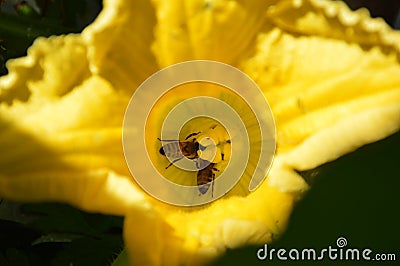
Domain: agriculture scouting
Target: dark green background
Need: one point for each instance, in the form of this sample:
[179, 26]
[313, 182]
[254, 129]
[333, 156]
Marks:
[356, 197]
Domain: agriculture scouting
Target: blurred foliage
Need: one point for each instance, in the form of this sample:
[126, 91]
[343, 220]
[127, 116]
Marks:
[58, 234]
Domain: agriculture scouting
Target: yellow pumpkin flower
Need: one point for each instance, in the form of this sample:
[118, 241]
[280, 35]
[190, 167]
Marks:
[330, 75]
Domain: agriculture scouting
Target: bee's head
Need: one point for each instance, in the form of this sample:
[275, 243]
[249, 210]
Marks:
[162, 151]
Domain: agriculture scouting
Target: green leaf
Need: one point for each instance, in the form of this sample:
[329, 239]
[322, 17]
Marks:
[13, 257]
[122, 259]
[89, 251]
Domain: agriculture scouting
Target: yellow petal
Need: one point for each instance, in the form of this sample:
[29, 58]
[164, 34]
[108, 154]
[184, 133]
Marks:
[333, 20]
[150, 240]
[53, 67]
[345, 136]
[100, 191]
[216, 30]
[172, 235]
[315, 82]
[119, 43]
[66, 148]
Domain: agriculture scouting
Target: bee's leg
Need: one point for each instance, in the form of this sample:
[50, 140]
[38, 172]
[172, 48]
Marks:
[201, 164]
[212, 186]
[174, 161]
[192, 134]
[213, 179]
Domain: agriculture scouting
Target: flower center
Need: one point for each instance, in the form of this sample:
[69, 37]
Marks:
[197, 131]
[202, 142]
[213, 141]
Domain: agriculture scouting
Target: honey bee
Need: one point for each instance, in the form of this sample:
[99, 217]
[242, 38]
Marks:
[206, 177]
[177, 149]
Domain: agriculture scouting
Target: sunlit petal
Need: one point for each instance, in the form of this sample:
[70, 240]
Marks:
[119, 43]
